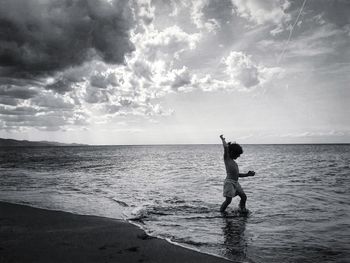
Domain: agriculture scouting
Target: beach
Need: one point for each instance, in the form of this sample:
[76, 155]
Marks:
[30, 234]
[173, 192]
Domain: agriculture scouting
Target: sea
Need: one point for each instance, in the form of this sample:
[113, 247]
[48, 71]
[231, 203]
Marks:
[298, 201]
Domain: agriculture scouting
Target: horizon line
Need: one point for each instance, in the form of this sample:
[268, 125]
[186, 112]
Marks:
[160, 144]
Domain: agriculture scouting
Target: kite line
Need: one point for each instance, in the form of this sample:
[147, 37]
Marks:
[290, 33]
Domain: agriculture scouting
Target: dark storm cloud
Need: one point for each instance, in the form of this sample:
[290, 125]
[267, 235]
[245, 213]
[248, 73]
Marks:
[37, 37]
[17, 92]
[17, 81]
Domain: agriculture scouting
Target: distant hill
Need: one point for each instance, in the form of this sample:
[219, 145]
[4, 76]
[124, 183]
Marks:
[17, 143]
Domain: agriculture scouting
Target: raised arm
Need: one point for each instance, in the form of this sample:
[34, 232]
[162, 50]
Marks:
[223, 141]
[225, 146]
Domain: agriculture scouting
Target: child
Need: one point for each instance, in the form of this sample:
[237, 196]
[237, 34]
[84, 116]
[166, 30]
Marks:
[231, 185]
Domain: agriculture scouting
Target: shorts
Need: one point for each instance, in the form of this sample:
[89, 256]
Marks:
[231, 188]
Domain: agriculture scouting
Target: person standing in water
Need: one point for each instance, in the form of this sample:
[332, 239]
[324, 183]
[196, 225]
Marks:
[231, 185]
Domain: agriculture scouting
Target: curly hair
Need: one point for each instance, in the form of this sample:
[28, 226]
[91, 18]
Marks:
[234, 149]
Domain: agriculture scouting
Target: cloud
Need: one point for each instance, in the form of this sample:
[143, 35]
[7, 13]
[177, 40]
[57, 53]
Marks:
[51, 101]
[260, 12]
[8, 101]
[171, 41]
[49, 53]
[103, 79]
[60, 85]
[49, 122]
[211, 15]
[51, 115]
[46, 110]
[245, 74]
[67, 57]
[150, 73]
[198, 16]
[13, 80]
[18, 92]
[145, 11]
[46, 36]
[147, 75]
[79, 68]
[319, 41]
[178, 80]
[319, 19]
[241, 68]
[21, 110]
[272, 12]
[67, 80]
[93, 95]
[323, 40]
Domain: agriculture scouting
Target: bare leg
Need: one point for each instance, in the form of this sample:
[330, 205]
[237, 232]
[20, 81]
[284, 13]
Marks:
[243, 197]
[225, 204]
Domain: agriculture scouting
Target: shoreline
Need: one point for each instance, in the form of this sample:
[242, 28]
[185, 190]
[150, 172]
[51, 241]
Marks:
[29, 234]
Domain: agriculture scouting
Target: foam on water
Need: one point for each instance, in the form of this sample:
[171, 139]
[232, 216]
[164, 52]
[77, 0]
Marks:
[298, 199]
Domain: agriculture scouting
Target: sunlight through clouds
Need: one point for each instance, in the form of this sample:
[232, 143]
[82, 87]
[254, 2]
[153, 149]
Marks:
[72, 65]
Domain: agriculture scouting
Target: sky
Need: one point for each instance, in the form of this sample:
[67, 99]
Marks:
[168, 72]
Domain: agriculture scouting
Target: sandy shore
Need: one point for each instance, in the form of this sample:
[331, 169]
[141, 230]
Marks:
[36, 235]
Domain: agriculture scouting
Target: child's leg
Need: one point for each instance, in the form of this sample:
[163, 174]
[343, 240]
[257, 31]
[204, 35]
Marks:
[243, 197]
[225, 204]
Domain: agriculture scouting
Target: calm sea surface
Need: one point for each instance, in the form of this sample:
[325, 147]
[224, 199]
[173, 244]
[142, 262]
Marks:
[299, 200]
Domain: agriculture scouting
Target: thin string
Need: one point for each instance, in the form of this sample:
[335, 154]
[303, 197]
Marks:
[291, 32]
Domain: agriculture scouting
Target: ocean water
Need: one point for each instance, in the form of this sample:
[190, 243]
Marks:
[299, 200]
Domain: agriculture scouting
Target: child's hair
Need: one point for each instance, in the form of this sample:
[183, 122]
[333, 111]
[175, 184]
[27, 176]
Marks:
[234, 149]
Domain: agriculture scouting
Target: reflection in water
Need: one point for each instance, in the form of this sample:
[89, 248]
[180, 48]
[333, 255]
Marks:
[234, 238]
[301, 213]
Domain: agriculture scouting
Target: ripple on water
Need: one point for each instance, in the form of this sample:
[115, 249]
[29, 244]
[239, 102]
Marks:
[299, 199]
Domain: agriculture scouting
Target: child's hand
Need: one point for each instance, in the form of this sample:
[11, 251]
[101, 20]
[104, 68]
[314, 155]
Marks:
[251, 173]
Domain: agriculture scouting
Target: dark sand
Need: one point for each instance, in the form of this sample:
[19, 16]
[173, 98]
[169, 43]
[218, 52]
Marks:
[36, 235]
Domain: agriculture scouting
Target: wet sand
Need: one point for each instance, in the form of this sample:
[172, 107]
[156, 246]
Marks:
[37, 235]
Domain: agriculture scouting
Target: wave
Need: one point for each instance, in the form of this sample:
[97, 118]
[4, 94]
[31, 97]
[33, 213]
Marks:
[119, 202]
